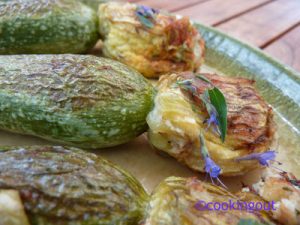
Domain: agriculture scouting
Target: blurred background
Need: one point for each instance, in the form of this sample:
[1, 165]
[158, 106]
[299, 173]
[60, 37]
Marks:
[272, 25]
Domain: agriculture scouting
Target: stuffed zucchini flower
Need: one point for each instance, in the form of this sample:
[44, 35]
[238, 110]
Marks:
[184, 124]
[150, 41]
[284, 189]
[188, 201]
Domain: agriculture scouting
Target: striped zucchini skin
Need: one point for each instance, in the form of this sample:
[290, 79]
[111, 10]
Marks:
[67, 186]
[79, 100]
[46, 26]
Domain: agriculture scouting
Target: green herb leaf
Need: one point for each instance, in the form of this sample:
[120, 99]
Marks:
[199, 76]
[145, 21]
[250, 222]
[218, 100]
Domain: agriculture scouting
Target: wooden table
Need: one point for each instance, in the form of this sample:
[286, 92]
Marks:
[272, 25]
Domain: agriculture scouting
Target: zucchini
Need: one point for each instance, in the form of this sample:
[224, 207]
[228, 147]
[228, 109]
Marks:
[46, 26]
[66, 186]
[79, 100]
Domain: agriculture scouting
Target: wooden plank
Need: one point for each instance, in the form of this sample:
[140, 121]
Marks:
[215, 11]
[170, 5]
[131, 1]
[264, 24]
[287, 48]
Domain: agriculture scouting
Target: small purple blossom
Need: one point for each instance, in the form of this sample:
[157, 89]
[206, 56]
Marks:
[212, 112]
[211, 167]
[262, 158]
[146, 11]
[146, 15]
[212, 120]
[188, 86]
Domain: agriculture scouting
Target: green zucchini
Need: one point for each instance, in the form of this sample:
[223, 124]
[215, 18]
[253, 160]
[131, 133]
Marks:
[79, 100]
[66, 186]
[46, 26]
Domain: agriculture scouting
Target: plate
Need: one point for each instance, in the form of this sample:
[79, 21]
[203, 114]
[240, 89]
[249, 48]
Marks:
[278, 84]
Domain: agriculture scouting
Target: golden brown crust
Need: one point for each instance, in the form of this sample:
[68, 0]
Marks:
[249, 117]
[172, 44]
[189, 201]
[177, 120]
[180, 33]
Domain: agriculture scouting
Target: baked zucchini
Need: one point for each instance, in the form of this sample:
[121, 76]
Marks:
[43, 27]
[66, 186]
[79, 100]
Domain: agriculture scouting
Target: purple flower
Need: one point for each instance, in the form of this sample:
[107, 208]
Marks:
[188, 86]
[146, 15]
[212, 120]
[262, 158]
[146, 11]
[211, 167]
